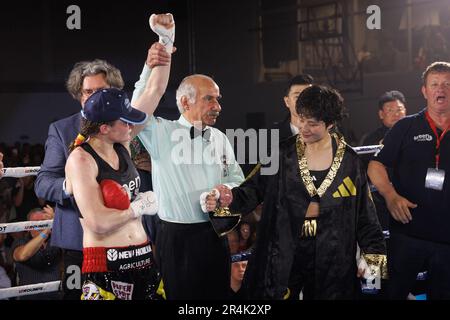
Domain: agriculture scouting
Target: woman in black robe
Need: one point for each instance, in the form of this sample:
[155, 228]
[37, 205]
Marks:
[317, 209]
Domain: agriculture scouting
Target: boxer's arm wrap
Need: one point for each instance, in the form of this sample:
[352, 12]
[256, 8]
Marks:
[145, 203]
[166, 36]
[203, 197]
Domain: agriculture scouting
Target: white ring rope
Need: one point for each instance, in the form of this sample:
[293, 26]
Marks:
[25, 226]
[368, 149]
[20, 172]
[52, 286]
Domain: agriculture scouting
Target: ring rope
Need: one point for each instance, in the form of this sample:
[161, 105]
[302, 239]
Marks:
[25, 226]
[368, 149]
[51, 286]
[20, 172]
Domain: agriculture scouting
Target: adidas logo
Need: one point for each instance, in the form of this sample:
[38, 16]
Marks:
[345, 189]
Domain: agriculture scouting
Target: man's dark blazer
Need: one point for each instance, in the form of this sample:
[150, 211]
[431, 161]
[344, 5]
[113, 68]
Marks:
[66, 232]
[285, 128]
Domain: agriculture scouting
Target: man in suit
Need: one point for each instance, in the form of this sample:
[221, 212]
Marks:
[85, 78]
[289, 126]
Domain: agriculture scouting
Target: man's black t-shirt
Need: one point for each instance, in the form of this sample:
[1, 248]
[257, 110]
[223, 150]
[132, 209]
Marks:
[409, 149]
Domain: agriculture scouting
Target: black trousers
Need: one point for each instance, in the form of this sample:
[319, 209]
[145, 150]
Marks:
[72, 258]
[194, 262]
[407, 256]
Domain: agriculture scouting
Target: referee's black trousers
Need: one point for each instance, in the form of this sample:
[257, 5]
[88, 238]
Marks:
[193, 260]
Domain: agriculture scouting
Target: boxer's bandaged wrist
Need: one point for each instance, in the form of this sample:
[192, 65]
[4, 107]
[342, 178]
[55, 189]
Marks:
[205, 195]
[145, 203]
[167, 41]
[166, 36]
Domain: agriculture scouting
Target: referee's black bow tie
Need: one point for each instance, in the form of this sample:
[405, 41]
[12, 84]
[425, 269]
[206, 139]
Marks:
[206, 133]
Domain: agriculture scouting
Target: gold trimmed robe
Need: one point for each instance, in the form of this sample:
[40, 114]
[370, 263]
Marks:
[347, 216]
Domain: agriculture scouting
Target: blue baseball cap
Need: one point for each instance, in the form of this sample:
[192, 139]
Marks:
[109, 105]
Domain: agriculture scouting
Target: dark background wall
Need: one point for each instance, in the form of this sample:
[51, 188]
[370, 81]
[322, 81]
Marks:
[218, 38]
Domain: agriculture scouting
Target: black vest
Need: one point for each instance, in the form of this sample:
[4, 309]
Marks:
[127, 175]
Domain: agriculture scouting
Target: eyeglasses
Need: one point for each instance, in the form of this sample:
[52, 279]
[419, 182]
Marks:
[396, 110]
[89, 92]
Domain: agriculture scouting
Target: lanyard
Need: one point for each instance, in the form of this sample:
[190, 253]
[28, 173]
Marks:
[438, 138]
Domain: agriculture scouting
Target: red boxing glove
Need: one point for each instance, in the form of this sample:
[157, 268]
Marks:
[114, 195]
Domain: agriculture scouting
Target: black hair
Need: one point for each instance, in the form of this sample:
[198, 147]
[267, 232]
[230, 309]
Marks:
[321, 103]
[390, 96]
[301, 79]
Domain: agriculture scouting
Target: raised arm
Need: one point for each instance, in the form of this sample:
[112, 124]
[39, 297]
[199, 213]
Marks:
[26, 251]
[148, 99]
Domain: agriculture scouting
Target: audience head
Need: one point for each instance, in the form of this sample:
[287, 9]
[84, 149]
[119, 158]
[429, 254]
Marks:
[295, 86]
[391, 107]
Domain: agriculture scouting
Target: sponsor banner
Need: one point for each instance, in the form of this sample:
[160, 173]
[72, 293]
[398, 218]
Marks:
[120, 259]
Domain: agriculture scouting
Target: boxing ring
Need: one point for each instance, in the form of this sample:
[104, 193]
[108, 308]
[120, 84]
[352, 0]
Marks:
[54, 286]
